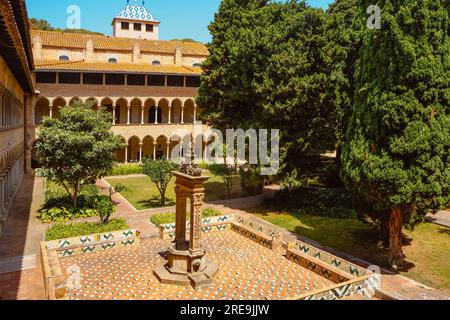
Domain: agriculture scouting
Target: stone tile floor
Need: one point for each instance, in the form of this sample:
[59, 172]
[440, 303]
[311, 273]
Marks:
[248, 271]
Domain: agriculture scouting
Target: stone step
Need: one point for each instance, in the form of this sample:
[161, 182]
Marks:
[14, 264]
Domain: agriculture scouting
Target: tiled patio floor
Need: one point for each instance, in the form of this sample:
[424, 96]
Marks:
[248, 271]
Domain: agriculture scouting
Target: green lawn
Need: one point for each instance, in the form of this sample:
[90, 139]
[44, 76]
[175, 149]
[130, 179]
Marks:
[143, 194]
[427, 256]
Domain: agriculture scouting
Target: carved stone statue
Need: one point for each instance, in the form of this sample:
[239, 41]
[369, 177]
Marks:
[191, 170]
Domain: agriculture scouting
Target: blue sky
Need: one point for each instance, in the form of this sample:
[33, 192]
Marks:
[179, 18]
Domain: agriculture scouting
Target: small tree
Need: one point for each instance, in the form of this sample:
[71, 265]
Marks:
[78, 148]
[160, 172]
[226, 173]
[105, 208]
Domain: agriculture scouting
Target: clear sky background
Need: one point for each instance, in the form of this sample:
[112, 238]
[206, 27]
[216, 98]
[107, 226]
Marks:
[179, 18]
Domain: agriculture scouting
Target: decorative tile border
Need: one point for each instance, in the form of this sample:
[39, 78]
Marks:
[313, 254]
[257, 232]
[210, 224]
[93, 243]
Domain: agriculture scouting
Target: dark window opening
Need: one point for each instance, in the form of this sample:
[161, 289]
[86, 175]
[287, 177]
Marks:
[156, 63]
[193, 82]
[137, 27]
[64, 58]
[112, 60]
[175, 81]
[92, 78]
[157, 81]
[136, 80]
[197, 65]
[115, 79]
[46, 77]
[149, 27]
[125, 25]
[69, 78]
[152, 115]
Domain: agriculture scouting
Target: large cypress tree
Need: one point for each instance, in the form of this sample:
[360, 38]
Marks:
[396, 159]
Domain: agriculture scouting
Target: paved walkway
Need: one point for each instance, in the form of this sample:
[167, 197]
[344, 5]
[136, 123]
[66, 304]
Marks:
[441, 218]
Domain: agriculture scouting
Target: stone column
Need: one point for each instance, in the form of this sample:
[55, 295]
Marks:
[180, 224]
[142, 114]
[129, 115]
[154, 150]
[195, 243]
[195, 114]
[140, 151]
[51, 111]
[114, 115]
[170, 114]
[168, 151]
[182, 114]
[156, 114]
[126, 154]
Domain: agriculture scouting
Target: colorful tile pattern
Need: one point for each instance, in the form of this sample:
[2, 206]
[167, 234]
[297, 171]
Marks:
[247, 271]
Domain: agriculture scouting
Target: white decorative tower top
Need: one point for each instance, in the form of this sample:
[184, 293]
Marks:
[135, 21]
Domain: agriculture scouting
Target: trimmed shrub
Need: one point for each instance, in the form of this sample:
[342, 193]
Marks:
[252, 182]
[335, 203]
[62, 231]
[127, 169]
[166, 218]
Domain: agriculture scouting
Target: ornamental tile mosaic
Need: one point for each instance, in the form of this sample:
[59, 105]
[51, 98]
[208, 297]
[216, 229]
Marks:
[136, 12]
[248, 271]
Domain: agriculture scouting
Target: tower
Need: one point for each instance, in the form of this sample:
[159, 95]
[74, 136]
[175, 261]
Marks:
[135, 21]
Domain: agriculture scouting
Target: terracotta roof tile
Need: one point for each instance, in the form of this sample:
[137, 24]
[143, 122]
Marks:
[114, 67]
[77, 40]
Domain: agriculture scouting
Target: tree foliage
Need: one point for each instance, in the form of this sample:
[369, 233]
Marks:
[78, 148]
[160, 173]
[397, 158]
[226, 173]
[267, 69]
[41, 24]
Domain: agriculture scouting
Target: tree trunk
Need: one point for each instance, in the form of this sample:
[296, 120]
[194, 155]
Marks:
[163, 198]
[75, 199]
[384, 229]
[395, 239]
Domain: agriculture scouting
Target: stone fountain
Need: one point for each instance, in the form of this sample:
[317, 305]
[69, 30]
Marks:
[187, 262]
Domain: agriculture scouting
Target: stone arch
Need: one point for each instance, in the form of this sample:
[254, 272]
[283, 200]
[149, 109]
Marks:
[176, 110]
[147, 147]
[72, 100]
[121, 110]
[189, 106]
[135, 112]
[149, 113]
[120, 154]
[162, 142]
[133, 148]
[42, 109]
[58, 103]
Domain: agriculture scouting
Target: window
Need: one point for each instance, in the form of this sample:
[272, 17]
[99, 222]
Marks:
[137, 27]
[156, 63]
[125, 25]
[157, 81]
[175, 81]
[136, 80]
[64, 58]
[69, 78]
[45, 77]
[93, 78]
[115, 79]
[149, 28]
[197, 65]
[112, 60]
[193, 82]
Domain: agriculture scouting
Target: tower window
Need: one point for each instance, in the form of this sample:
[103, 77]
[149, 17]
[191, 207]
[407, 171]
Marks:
[156, 63]
[149, 27]
[137, 27]
[112, 60]
[125, 25]
[197, 65]
[64, 58]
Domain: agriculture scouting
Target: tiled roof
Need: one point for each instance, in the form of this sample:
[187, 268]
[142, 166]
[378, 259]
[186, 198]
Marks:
[77, 40]
[136, 12]
[83, 66]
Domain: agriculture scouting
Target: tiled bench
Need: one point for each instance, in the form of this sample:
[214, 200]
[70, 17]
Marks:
[257, 232]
